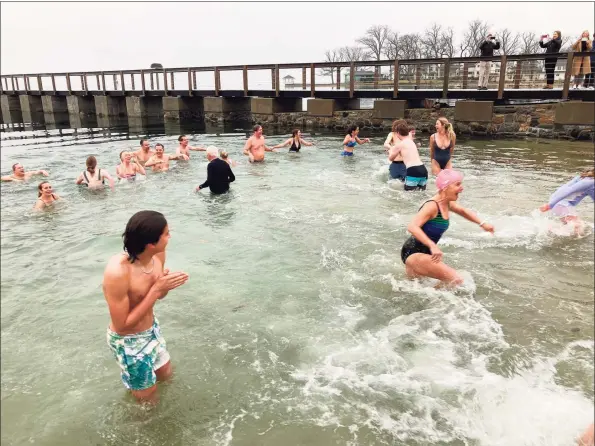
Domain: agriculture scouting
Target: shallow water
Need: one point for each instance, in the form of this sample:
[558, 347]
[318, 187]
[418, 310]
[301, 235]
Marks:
[297, 325]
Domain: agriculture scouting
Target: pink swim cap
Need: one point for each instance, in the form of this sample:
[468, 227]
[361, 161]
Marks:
[446, 177]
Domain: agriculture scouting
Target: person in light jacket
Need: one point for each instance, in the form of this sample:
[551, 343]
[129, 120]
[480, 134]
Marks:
[552, 50]
[590, 78]
[487, 50]
[581, 65]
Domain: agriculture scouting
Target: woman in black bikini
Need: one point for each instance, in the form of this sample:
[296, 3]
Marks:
[296, 142]
[46, 196]
[442, 146]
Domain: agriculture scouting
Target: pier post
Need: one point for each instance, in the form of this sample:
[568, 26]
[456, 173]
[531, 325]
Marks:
[110, 110]
[222, 109]
[55, 111]
[183, 108]
[11, 109]
[31, 109]
[81, 111]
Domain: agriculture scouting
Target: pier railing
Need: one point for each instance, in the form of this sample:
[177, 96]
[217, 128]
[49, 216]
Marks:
[513, 72]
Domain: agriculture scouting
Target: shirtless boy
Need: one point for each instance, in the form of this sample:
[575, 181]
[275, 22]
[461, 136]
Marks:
[416, 175]
[132, 283]
[160, 161]
[184, 148]
[255, 146]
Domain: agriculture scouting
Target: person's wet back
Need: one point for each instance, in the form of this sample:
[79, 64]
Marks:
[219, 174]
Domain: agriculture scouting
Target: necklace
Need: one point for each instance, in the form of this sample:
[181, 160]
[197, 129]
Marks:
[152, 267]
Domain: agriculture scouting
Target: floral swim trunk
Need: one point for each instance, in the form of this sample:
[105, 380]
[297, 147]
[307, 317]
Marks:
[139, 355]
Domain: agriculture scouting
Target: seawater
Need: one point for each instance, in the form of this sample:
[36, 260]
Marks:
[297, 325]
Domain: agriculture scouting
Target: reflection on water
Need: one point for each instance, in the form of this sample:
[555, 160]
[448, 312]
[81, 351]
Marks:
[297, 325]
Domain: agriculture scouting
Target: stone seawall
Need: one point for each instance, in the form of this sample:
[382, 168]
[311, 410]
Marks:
[508, 121]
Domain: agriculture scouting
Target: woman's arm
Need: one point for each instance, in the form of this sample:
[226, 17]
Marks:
[432, 143]
[306, 143]
[452, 145]
[471, 216]
[152, 161]
[105, 174]
[346, 140]
[427, 212]
[140, 169]
[284, 144]
[360, 141]
[394, 151]
[79, 179]
[388, 141]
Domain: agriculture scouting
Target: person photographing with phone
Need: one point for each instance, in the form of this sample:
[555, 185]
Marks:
[581, 65]
[552, 49]
[487, 48]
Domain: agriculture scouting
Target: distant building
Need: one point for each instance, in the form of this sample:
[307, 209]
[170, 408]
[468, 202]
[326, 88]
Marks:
[288, 80]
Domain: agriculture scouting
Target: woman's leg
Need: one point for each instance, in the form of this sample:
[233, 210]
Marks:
[421, 265]
[449, 164]
[435, 167]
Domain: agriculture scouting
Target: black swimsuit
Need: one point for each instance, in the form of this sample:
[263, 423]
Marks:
[294, 148]
[441, 155]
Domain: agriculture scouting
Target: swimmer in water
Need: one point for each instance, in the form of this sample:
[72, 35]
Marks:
[46, 196]
[295, 141]
[351, 139]
[160, 161]
[93, 177]
[19, 174]
[442, 146]
[416, 175]
[184, 148]
[420, 253]
[129, 167]
[396, 168]
[255, 146]
[563, 202]
[143, 154]
[225, 157]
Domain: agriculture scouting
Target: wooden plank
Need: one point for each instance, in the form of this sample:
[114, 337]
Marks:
[502, 80]
[396, 79]
[567, 75]
[194, 80]
[132, 80]
[304, 78]
[216, 71]
[98, 82]
[338, 78]
[103, 84]
[445, 80]
[142, 82]
[277, 80]
[273, 79]
[312, 80]
[39, 83]
[165, 82]
[171, 76]
[518, 74]
[245, 79]
[54, 83]
[26, 82]
[189, 82]
[123, 86]
[68, 86]
[13, 85]
[115, 80]
[465, 75]
[351, 79]
[152, 80]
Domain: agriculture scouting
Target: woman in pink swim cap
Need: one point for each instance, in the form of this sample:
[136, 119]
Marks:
[420, 253]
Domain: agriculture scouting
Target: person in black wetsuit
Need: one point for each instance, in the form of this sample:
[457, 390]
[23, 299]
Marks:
[442, 146]
[296, 142]
[219, 174]
[552, 50]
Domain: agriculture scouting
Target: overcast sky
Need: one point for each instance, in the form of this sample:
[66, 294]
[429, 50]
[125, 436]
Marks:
[46, 37]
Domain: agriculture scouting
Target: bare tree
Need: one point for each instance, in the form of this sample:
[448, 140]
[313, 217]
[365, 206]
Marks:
[374, 42]
[352, 53]
[477, 31]
[509, 41]
[447, 41]
[529, 44]
[392, 50]
[411, 48]
[331, 56]
[431, 41]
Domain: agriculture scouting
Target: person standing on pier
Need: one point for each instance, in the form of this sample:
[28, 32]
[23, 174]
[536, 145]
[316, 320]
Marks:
[351, 139]
[160, 161]
[133, 281]
[552, 50]
[295, 142]
[143, 154]
[184, 148]
[487, 50]
[19, 174]
[255, 146]
[416, 175]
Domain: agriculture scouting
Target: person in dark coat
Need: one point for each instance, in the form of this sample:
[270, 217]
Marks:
[487, 50]
[552, 51]
[590, 78]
